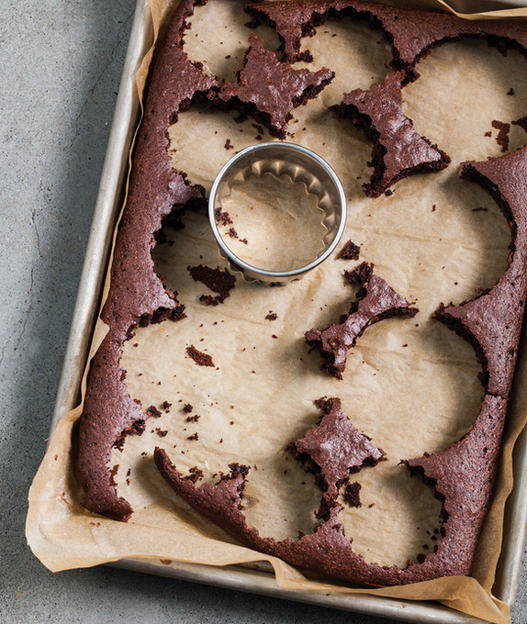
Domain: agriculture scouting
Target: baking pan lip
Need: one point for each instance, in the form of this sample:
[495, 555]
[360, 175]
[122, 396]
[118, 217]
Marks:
[109, 200]
[107, 207]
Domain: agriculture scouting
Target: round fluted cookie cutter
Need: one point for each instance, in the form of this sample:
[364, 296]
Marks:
[301, 165]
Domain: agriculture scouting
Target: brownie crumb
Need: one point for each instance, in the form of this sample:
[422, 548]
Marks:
[187, 408]
[352, 494]
[153, 411]
[223, 218]
[228, 145]
[209, 300]
[350, 251]
[195, 474]
[113, 471]
[503, 134]
[161, 432]
[201, 359]
[272, 316]
[193, 437]
[166, 405]
[193, 418]
[510, 91]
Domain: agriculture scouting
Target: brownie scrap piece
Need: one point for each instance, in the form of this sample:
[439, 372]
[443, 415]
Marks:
[332, 450]
[463, 475]
[291, 21]
[374, 302]
[398, 150]
[218, 281]
[213, 500]
[268, 89]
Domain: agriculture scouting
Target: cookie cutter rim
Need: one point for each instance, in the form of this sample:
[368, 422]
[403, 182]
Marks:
[252, 272]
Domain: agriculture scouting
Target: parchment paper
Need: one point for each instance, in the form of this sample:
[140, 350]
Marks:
[410, 384]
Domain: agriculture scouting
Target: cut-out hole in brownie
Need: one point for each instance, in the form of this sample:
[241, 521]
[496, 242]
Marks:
[398, 151]
[220, 133]
[366, 50]
[415, 525]
[451, 69]
[219, 39]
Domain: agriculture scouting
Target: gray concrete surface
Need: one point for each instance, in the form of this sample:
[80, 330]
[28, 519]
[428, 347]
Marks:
[60, 65]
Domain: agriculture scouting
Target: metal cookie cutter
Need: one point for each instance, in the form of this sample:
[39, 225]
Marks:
[301, 165]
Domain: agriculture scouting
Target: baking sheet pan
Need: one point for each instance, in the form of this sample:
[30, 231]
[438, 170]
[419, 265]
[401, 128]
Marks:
[107, 208]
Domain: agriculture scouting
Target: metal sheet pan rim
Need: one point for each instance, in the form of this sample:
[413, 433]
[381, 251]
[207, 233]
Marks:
[107, 206]
[86, 308]
[244, 579]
